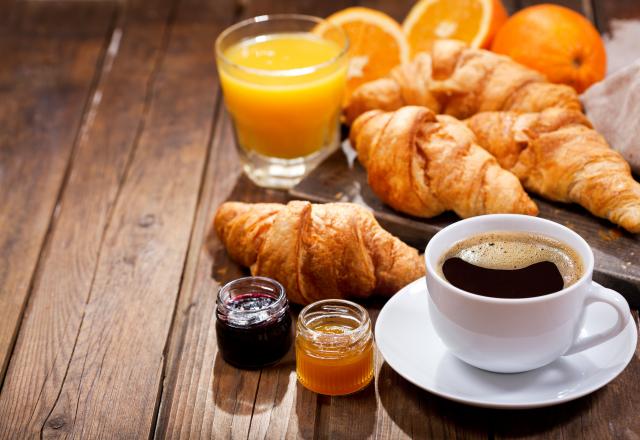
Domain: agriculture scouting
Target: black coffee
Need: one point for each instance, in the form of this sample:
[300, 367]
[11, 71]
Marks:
[511, 265]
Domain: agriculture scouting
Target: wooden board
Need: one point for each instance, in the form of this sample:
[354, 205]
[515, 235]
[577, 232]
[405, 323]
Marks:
[109, 135]
[49, 59]
[113, 384]
[342, 179]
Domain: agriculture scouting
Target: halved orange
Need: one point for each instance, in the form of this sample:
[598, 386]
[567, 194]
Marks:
[472, 21]
[376, 44]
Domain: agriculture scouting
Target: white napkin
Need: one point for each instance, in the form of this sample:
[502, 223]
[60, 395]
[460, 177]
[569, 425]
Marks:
[613, 106]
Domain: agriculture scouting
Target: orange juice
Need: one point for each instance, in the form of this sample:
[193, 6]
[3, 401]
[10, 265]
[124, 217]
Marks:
[283, 92]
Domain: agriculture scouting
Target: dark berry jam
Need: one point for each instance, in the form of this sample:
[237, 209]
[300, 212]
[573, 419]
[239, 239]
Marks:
[251, 302]
[253, 323]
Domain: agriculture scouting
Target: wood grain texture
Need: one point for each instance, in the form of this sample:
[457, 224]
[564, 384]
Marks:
[49, 58]
[107, 140]
[188, 386]
[113, 381]
[283, 408]
[203, 397]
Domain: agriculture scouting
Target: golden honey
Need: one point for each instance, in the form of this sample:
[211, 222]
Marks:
[334, 347]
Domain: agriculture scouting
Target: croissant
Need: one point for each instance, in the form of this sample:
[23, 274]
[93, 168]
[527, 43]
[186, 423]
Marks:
[460, 81]
[558, 155]
[334, 250]
[423, 164]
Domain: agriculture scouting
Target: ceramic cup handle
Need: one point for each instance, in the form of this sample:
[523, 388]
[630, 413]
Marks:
[597, 293]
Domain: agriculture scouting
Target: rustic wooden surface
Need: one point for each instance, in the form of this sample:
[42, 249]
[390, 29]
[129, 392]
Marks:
[115, 151]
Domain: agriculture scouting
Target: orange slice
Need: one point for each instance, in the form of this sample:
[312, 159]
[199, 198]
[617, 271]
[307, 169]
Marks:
[472, 21]
[376, 44]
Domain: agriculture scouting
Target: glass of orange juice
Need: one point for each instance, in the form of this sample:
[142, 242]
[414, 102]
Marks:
[283, 77]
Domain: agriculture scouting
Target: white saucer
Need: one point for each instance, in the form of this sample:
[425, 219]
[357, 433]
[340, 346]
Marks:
[409, 344]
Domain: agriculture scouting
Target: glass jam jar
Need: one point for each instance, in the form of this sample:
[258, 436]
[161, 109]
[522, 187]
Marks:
[253, 324]
[334, 347]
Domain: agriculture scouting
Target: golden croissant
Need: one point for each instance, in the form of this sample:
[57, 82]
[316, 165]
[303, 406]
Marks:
[558, 155]
[460, 81]
[334, 250]
[423, 164]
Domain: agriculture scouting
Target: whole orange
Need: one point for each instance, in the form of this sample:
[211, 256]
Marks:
[555, 41]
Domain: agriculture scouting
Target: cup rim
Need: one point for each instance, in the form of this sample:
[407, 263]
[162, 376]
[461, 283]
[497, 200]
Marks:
[588, 260]
[300, 71]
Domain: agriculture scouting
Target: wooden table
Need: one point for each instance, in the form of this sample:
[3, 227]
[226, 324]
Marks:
[115, 151]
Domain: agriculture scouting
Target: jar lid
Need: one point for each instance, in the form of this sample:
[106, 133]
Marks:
[251, 301]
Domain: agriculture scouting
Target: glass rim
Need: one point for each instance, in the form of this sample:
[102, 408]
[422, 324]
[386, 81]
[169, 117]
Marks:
[300, 71]
[280, 297]
[349, 336]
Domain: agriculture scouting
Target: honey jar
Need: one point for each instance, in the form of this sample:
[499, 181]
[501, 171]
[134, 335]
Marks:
[334, 347]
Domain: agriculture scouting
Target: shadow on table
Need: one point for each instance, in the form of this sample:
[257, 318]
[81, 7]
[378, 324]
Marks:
[251, 392]
[275, 381]
[422, 414]
[234, 389]
[335, 417]
[223, 269]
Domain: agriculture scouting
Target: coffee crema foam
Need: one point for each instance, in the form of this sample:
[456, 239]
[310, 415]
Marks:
[516, 250]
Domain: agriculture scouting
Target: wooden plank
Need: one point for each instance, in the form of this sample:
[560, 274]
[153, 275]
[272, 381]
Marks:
[57, 305]
[202, 395]
[49, 57]
[113, 381]
[196, 382]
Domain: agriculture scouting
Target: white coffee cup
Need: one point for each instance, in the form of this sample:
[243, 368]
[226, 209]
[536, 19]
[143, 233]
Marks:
[515, 335]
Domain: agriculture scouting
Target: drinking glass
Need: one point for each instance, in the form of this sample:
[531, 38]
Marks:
[285, 111]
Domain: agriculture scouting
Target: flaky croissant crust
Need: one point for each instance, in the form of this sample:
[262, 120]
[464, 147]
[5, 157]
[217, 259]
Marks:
[557, 154]
[333, 250]
[422, 164]
[460, 81]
